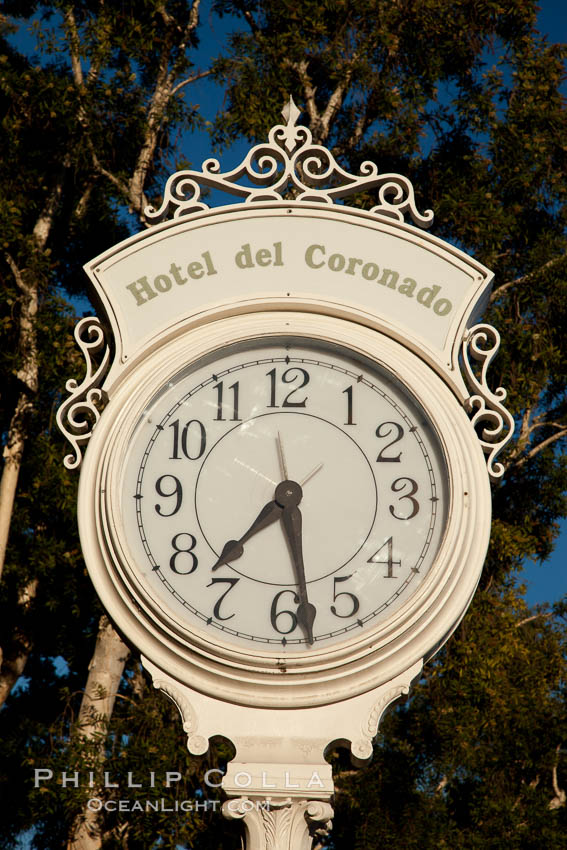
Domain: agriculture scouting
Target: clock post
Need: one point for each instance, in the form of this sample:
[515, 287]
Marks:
[285, 503]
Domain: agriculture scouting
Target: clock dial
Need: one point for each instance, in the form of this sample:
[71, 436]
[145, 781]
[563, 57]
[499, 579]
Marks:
[283, 494]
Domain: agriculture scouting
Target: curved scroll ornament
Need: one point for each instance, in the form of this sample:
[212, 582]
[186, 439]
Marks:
[362, 748]
[289, 164]
[495, 423]
[196, 744]
[79, 413]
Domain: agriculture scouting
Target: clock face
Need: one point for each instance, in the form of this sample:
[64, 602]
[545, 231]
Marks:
[283, 495]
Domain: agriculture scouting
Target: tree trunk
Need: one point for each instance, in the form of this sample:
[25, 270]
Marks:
[28, 373]
[17, 433]
[14, 660]
[105, 671]
[12, 664]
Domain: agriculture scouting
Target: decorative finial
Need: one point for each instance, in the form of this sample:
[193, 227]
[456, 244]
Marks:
[289, 164]
[290, 133]
[290, 111]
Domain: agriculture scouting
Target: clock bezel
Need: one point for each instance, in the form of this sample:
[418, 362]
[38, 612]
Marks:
[262, 677]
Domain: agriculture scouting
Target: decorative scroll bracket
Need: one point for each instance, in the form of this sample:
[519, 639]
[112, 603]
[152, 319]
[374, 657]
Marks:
[78, 414]
[289, 165]
[280, 785]
[362, 748]
[485, 406]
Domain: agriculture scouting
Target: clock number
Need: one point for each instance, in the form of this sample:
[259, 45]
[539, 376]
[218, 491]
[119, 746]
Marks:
[177, 491]
[387, 429]
[231, 582]
[180, 550]
[220, 404]
[288, 377]
[389, 560]
[348, 393]
[199, 439]
[398, 485]
[274, 613]
[351, 596]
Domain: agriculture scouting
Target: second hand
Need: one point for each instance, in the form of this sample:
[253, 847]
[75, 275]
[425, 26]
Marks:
[283, 465]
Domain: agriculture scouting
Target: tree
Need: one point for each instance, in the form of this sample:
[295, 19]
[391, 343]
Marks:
[464, 99]
[115, 75]
[472, 759]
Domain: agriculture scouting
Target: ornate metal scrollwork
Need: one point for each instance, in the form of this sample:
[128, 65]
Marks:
[78, 414]
[289, 163]
[496, 424]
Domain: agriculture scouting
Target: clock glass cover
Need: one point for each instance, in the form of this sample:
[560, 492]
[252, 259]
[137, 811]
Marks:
[283, 495]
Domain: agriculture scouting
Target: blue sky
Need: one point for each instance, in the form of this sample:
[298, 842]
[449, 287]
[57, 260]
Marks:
[546, 582]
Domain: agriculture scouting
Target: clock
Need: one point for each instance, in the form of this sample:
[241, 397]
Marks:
[281, 492]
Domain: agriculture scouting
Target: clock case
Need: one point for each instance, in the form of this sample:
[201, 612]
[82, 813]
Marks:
[201, 659]
[283, 713]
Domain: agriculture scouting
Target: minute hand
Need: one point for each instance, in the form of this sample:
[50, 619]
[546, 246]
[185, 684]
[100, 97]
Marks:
[292, 523]
[233, 549]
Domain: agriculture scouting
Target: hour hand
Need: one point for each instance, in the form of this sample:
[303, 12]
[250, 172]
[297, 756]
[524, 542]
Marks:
[233, 549]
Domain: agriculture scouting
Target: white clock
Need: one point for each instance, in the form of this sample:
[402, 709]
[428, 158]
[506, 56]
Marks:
[283, 493]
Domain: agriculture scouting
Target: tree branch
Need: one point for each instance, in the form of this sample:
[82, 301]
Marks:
[248, 17]
[321, 123]
[105, 672]
[74, 47]
[524, 278]
[133, 189]
[333, 106]
[161, 96]
[537, 449]
[45, 220]
[75, 53]
[19, 423]
[337, 97]
[542, 615]
[13, 663]
[560, 796]
[116, 181]
[308, 91]
[17, 274]
[83, 202]
[359, 129]
[192, 79]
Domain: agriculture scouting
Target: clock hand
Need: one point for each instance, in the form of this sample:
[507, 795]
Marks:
[286, 491]
[292, 523]
[281, 457]
[283, 466]
[233, 549]
[313, 472]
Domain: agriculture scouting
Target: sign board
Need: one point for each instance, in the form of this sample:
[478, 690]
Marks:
[384, 274]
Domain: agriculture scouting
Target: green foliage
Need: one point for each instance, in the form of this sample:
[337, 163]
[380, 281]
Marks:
[144, 745]
[469, 760]
[464, 98]
[71, 141]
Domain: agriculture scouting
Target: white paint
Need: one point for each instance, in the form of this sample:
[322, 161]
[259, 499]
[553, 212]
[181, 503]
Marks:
[364, 659]
[385, 274]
